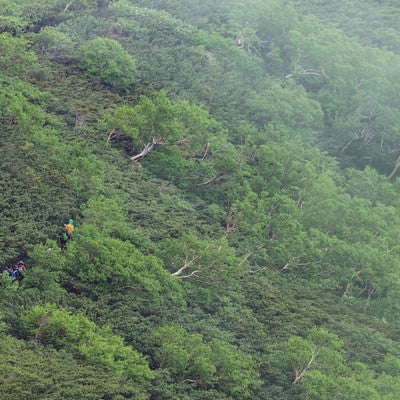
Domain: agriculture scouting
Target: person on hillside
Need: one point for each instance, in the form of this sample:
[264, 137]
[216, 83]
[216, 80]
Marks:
[21, 266]
[16, 273]
[67, 234]
[69, 229]
[63, 241]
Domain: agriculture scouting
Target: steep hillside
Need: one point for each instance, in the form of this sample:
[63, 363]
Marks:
[231, 173]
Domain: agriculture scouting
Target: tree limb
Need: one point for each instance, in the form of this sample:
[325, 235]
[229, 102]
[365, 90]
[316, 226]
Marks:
[206, 151]
[196, 381]
[146, 150]
[186, 266]
[350, 284]
[190, 275]
[307, 72]
[111, 135]
[150, 146]
[371, 292]
[211, 179]
[250, 253]
[246, 257]
[300, 372]
[191, 262]
[69, 4]
[129, 287]
[395, 168]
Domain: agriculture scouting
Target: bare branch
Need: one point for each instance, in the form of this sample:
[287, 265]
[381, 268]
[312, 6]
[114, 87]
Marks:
[395, 168]
[111, 135]
[350, 284]
[190, 275]
[371, 292]
[189, 263]
[289, 262]
[246, 257]
[186, 266]
[147, 148]
[211, 180]
[306, 72]
[196, 381]
[155, 142]
[250, 253]
[205, 153]
[129, 287]
[69, 4]
[286, 266]
[300, 372]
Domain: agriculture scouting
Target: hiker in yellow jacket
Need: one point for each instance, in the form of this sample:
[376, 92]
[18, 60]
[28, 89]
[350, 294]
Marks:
[69, 229]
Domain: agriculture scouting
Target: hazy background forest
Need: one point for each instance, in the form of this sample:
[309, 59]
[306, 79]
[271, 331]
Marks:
[232, 169]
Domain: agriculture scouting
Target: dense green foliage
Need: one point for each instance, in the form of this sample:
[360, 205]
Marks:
[232, 171]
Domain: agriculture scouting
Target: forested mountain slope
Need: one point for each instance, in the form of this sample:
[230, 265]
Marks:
[232, 173]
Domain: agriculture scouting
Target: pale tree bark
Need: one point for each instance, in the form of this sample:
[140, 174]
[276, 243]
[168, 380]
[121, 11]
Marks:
[350, 284]
[395, 168]
[289, 262]
[314, 72]
[193, 273]
[187, 265]
[286, 266]
[206, 151]
[370, 292]
[211, 180]
[69, 4]
[190, 263]
[146, 150]
[246, 257]
[196, 381]
[111, 135]
[301, 372]
[150, 146]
